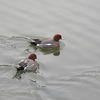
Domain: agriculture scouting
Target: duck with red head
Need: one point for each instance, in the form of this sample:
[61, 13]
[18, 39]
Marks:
[27, 64]
[47, 42]
[33, 57]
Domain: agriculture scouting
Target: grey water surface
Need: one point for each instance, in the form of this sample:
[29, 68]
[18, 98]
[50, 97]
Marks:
[69, 72]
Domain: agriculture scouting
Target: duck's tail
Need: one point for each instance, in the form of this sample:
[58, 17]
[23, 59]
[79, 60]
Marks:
[34, 41]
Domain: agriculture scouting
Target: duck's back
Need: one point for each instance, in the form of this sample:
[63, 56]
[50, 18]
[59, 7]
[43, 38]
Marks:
[28, 64]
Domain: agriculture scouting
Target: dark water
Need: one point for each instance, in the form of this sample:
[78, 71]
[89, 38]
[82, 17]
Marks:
[69, 72]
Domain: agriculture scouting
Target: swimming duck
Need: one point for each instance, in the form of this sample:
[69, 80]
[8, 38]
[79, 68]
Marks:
[27, 63]
[47, 42]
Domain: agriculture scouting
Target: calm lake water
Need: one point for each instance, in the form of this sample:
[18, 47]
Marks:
[70, 72]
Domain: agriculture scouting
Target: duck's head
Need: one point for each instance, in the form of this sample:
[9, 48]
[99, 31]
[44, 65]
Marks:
[32, 56]
[57, 37]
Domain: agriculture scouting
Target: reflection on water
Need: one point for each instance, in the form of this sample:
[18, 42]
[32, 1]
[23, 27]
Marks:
[19, 73]
[54, 51]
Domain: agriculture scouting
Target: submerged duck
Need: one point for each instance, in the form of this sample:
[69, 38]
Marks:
[27, 64]
[47, 42]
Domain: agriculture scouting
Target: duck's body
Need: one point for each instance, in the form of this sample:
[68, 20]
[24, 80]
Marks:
[47, 42]
[27, 63]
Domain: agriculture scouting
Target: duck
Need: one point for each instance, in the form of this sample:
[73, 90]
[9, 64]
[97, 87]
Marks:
[27, 64]
[47, 42]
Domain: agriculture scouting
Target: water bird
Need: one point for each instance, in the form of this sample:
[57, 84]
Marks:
[27, 64]
[47, 42]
